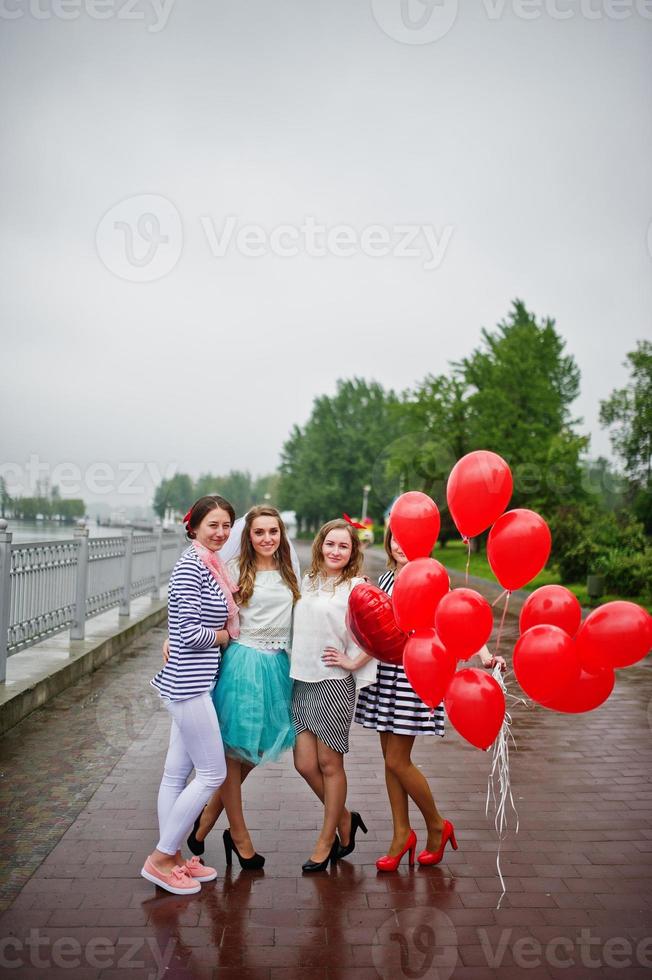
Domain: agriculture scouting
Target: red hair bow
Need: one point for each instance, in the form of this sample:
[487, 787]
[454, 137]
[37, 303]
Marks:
[186, 519]
[353, 523]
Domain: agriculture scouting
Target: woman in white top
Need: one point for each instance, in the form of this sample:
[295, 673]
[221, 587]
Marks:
[252, 697]
[327, 667]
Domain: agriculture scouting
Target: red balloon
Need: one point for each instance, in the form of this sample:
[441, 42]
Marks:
[417, 591]
[616, 634]
[545, 662]
[552, 605]
[518, 547]
[587, 692]
[428, 666]
[478, 490]
[414, 522]
[370, 621]
[464, 622]
[475, 705]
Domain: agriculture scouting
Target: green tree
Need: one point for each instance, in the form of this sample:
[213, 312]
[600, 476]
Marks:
[628, 411]
[521, 386]
[5, 499]
[177, 493]
[235, 487]
[341, 448]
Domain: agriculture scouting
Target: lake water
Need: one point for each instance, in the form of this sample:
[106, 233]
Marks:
[53, 530]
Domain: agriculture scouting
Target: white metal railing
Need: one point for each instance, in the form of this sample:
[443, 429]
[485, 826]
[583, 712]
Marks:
[47, 587]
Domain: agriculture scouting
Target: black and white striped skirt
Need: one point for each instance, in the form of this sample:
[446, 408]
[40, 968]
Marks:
[325, 708]
[390, 705]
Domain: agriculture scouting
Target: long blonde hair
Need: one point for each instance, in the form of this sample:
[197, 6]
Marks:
[352, 569]
[248, 557]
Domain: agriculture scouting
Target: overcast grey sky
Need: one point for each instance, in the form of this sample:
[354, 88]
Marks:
[504, 146]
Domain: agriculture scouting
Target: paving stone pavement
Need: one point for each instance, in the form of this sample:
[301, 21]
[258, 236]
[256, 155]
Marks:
[78, 793]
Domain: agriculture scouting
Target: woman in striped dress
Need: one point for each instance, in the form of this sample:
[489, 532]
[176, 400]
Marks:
[327, 667]
[200, 606]
[399, 715]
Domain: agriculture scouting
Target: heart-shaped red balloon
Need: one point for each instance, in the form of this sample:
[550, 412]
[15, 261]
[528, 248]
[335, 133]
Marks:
[415, 522]
[417, 592]
[370, 621]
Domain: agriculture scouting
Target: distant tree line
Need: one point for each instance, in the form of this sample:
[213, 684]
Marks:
[47, 503]
[238, 487]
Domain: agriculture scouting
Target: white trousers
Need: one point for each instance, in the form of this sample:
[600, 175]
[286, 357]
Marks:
[195, 742]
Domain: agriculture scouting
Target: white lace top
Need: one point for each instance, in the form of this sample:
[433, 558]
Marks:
[266, 620]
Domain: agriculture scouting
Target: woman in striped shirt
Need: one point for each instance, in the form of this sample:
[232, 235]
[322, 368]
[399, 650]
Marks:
[200, 606]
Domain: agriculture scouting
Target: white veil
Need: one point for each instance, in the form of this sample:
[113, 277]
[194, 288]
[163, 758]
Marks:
[232, 547]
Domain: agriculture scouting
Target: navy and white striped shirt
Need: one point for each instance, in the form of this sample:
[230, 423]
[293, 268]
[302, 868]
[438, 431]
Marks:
[196, 608]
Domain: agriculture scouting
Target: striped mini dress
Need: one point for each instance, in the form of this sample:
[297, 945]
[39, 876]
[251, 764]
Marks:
[325, 708]
[390, 705]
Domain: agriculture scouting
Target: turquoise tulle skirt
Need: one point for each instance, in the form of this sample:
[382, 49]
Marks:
[252, 699]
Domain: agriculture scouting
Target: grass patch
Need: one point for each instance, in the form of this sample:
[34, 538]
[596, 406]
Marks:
[454, 555]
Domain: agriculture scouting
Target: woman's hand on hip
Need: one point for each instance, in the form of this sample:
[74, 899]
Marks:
[222, 638]
[335, 658]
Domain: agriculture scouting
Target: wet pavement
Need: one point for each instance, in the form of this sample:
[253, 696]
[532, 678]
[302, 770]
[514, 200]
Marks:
[78, 791]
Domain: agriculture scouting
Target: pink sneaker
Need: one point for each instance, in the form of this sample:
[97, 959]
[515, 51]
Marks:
[177, 881]
[199, 871]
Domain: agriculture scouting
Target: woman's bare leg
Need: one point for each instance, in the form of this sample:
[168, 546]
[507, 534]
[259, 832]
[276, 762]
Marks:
[331, 765]
[306, 763]
[232, 802]
[211, 814]
[401, 771]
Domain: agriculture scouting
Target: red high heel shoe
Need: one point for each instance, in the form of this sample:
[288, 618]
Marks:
[390, 862]
[434, 857]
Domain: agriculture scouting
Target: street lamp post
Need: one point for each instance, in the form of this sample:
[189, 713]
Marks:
[365, 499]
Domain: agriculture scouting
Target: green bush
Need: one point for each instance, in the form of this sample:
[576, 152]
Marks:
[625, 573]
[584, 537]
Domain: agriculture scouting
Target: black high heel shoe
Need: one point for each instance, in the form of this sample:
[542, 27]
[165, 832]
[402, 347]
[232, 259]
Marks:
[356, 821]
[196, 846]
[248, 864]
[311, 866]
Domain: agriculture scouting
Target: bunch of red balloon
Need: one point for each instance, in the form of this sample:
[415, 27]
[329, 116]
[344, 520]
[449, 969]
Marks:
[428, 627]
[567, 665]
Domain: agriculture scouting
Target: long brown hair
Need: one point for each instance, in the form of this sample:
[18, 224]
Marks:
[282, 556]
[353, 567]
[387, 544]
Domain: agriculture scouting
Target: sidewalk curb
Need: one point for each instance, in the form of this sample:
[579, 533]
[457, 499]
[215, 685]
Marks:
[17, 701]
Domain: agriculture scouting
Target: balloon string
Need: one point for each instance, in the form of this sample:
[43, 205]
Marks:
[502, 623]
[467, 542]
[498, 598]
[499, 789]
